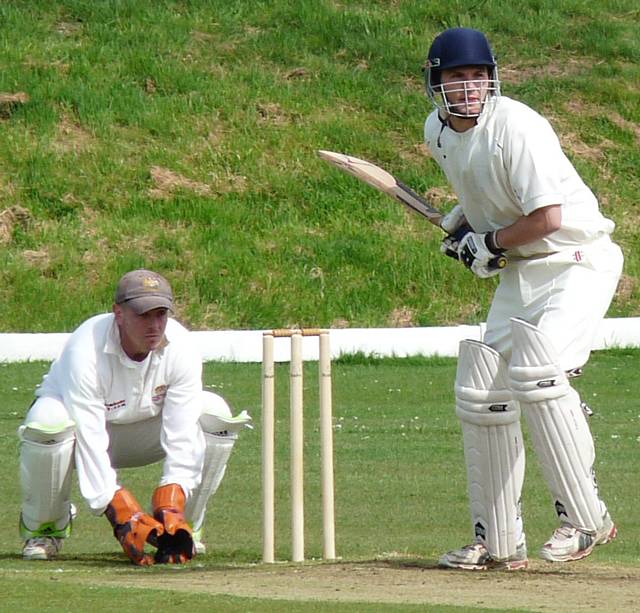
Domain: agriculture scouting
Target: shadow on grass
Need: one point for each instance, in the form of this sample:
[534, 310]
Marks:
[537, 568]
[110, 559]
[113, 562]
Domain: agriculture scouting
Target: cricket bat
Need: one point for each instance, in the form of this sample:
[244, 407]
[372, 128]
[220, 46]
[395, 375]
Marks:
[385, 182]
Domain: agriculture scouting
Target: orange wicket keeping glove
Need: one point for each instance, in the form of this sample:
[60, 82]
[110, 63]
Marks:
[132, 526]
[175, 545]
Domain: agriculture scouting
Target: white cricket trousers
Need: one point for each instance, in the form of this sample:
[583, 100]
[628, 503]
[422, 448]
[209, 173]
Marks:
[46, 468]
[566, 295]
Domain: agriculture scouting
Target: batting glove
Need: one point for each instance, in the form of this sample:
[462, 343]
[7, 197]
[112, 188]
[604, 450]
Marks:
[453, 219]
[175, 545]
[450, 245]
[481, 254]
[132, 527]
[455, 225]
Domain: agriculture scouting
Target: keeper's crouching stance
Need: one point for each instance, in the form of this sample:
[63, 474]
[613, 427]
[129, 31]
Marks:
[174, 524]
[126, 391]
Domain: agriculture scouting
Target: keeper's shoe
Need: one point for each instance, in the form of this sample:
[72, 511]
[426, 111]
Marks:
[45, 542]
[568, 543]
[476, 557]
[42, 548]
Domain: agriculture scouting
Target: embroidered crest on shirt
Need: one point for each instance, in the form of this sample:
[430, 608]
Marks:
[159, 393]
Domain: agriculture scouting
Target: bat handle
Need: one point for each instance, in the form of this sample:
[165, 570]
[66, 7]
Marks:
[497, 263]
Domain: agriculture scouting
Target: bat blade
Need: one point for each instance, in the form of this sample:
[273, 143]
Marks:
[383, 181]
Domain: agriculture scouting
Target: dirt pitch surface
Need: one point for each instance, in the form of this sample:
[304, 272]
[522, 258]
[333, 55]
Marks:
[543, 587]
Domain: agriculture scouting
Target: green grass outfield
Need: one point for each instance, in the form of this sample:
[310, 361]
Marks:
[399, 481]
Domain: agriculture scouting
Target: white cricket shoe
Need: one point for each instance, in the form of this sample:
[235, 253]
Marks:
[568, 543]
[198, 546]
[476, 557]
[41, 548]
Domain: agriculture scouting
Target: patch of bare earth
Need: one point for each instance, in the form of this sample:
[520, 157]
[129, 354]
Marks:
[626, 288]
[402, 317]
[9, 103]
[38, 258]
[441, 197]
[71, 137]
[14, 216]
[580, 108]
[544, 588]
[522, 72]
[273, 113]
[414, 154]
[340, 323]
[68, 28]
[166, 182]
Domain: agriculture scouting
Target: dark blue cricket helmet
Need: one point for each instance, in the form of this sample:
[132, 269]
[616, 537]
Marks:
[458, 47]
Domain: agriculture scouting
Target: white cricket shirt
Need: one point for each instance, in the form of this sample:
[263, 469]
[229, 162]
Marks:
[509, 165]
[99, 383]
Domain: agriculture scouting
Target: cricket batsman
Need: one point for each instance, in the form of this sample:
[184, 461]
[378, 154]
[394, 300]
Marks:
[522, 198]
[126, 391]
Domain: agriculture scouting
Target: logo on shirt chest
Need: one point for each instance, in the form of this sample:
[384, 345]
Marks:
[159, 394]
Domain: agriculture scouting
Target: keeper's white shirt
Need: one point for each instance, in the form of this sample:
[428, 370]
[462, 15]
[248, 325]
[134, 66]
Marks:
[509, 165]
[99, 384]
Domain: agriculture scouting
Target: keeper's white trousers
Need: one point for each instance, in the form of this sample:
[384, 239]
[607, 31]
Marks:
[44, 459]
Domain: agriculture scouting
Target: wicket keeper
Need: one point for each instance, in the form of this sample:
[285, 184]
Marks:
[126, 391]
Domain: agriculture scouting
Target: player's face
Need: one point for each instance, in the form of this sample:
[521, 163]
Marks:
[140, 334]
[466, 88]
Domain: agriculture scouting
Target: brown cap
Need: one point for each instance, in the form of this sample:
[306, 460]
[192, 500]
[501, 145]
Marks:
[144, 290]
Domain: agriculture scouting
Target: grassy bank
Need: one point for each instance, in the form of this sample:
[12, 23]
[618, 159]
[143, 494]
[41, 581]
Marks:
[182, 136]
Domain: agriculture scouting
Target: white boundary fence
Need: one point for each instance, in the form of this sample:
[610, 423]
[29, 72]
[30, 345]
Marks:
[246, 345]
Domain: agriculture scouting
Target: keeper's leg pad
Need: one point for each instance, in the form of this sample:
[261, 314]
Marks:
[47, 441]
[219, 444]
[217, 453]
[493, 448]
[559, 430]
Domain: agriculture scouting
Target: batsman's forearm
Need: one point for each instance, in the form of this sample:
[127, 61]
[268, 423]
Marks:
[533, 227]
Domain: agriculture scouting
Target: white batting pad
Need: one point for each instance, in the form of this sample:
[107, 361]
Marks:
[559, 430]
[218, 450]
[45, 473]
[493, 449]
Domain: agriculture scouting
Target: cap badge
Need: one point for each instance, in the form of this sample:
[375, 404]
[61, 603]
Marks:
[150, 283]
